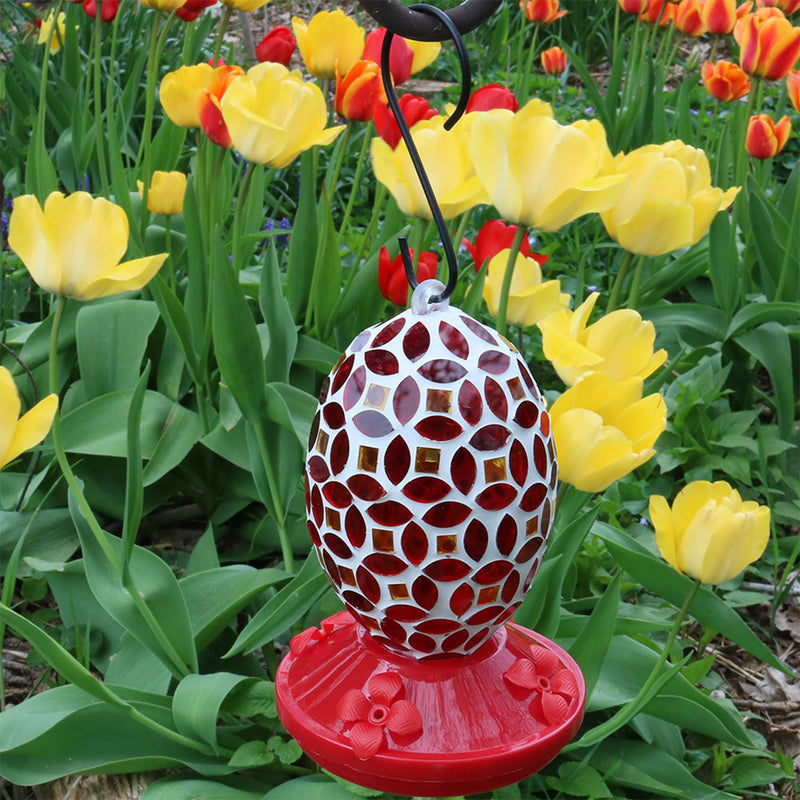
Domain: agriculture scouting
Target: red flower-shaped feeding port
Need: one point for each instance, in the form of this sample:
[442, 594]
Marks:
[555, 685]
[380, 710]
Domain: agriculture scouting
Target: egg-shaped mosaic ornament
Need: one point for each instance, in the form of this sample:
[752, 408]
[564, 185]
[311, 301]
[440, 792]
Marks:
[430, 479]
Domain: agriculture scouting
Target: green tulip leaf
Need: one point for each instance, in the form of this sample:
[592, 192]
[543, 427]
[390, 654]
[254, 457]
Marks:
[177, 787]
[48, 535]
[275, 310]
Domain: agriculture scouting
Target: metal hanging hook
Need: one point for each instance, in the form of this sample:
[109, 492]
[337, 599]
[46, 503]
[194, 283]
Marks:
[391, 96]
[415, 24]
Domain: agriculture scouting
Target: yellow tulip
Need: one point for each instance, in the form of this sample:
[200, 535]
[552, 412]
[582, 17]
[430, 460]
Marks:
[604, 429]
[709, 534]
[445, 155]
[73, 247]
[669, 201]
[244, 5]
[529, 299]
[18, 434]
[330, 37]
[178, 93]
[273, 115]
[540, 173]
[166, 192]
[53, 28]
[620, 343]
[163, 5]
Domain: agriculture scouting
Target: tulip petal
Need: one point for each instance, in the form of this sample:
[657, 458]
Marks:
[125, 277]
[31, 428]
[9, 412]
[729, 550]
[666, 535]
[30, 238]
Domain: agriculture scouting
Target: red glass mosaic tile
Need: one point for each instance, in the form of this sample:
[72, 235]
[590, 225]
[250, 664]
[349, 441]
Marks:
[462, 599]
[340, 451]
[493, 361]
[479, 330]
[403, 613]
[455, 640]
[337, 546]
[447, 514]
[477, 639]
[496, 496]
[453, 339]
[397, 460]
[485, 615]
[318, 469]
[476, 539]
[405, 400]
[421, 642]
[354, 388]
[381, 362]
[518, 462]
[470, 403]
[426, 489]
[490, 437]
[540, 458]
[317, 506]
[533, 497]
[442, 370]
[365, 487]
[492, 573]
[529, 550]
[330, 567]
[510, 587]
[544, 422]
[394, 631]
[357, 600]
[416, 342]
[447, 569]
[324, 390]
[495, 398]
[313, 532]
[334, 415]
[385, 564]
[438, 626]
[390, 513]
[463, 470]
[372, 424]
[355, 527]
[312, 436]
[342, 374]
[388, 332]
[368, 584]
[525, 373]
[527, 414]
[506, 535]
[414, 543]
[438, 428]
[424, 592]
[547, 510]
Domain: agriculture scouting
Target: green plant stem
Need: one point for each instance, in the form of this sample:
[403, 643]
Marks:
[788, 254]
[524, 93]
[98, 105]
[633, 296]
[236, 234]
[624, 268]
[521, 36]
[280, 513]
[634, 706]
[332, 178]
[356, 178]
[223, 26]
[168, 242]
[505, 289]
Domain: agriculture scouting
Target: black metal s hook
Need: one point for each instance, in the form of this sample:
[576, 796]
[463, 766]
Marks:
[391, 96]
[414, 24]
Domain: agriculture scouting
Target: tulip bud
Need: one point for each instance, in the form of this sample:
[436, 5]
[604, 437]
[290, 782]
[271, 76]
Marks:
[554, 60]
[108, 9]
[401, 56]
[709, 534]
[166, 192]
[191, 10]
[720, 16]
[688, 18]
[278, 46]
[765, 138]
[493, 95]
[413, 109]
[329, 38]
[494, 236]
[633, 6]
[358, 90]
[769, 45]
[793, 87]
[544, 11]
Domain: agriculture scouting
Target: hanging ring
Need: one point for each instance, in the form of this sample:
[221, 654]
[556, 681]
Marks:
[414, 24]
[391, 96]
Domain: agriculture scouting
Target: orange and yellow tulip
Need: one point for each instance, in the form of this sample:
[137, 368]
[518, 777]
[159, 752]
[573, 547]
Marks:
[720, 16]
[765, 138]
[787, 6]
[554, 60]
[725, 80]
[358, 91]
[659, 11]
[689, 18]
[793, 87]
[544, 11]
[769, 45]
[634, 6]
[209, 108]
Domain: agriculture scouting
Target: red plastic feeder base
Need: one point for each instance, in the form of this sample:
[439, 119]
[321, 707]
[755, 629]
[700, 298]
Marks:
[435, 727]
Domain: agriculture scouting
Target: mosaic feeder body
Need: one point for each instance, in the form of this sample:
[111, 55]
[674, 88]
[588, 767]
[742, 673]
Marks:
[430, 481]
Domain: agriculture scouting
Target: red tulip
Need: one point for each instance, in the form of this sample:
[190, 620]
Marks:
[495, 236]
[358, 91]
[633, 6]
[659, 11]
[278, 46]
[493, 95]
[392, 276]
[208, 104]
[765, 138]
[725, 81]
[401, 56]
[554, 60]
[414, 109]
[191, 8]
[108, 9]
